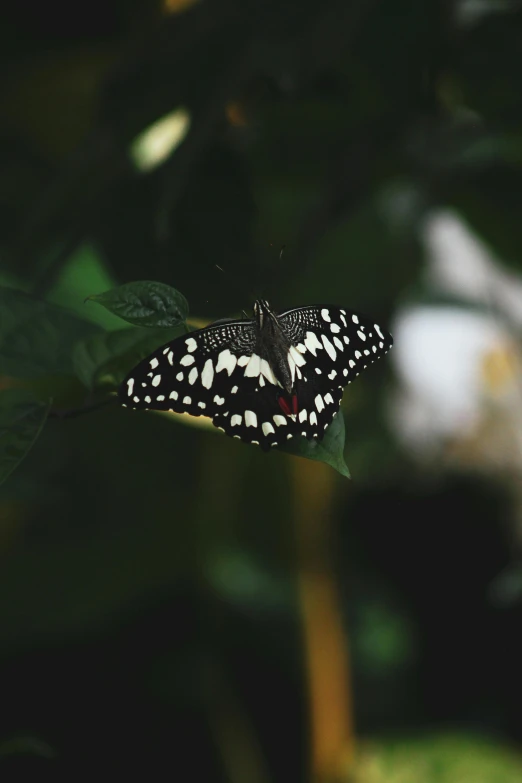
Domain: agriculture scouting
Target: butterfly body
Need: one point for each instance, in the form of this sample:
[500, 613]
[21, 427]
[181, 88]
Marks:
[263, 380]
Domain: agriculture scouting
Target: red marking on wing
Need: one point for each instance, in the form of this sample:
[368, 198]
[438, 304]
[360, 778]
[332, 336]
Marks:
[288, 406]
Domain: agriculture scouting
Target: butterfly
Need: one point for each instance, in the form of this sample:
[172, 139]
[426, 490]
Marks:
[264, 380]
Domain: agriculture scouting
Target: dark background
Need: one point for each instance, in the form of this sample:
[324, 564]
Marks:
[173, 602]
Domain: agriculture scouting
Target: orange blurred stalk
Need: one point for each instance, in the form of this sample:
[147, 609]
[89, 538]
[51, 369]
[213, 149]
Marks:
[325, 644]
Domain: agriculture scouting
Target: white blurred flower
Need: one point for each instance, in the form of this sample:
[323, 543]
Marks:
[459, 369]
[157, 142]
[460, 263]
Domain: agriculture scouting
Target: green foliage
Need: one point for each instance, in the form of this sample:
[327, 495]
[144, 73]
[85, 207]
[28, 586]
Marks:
[443, 758]
[329, 450]
[22, 417]
[145, 303]
[104, 359]
[26, 745]
[37, 338]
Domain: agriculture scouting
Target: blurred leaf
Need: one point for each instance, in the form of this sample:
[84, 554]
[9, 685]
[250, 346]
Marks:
[145, 303]
[85, 271]
[105, 359]
[438, 759]
[26, 745]
[329, 450]
[22, 417]
[36, 337]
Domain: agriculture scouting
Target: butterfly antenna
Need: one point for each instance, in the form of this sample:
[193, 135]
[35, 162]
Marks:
[234, 279]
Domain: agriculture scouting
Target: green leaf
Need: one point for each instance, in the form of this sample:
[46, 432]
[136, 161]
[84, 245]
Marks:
[105, 359]
[145, 303]
[37, 338]
[26, 745]
[22, 417]
[329, 450]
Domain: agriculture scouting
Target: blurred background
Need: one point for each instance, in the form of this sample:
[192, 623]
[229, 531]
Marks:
[173, 601]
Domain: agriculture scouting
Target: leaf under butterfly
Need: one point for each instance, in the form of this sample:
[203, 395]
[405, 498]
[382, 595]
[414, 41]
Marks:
[145, 303]
[330, 449]
[104, 359]
[22, 417]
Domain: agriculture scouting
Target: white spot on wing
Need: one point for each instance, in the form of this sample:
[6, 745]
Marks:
[378, 330]
[153, 364]
[219, 400]
[328, 398]
[243, 360]
[234, 389]
[312, 343]
[267, 371]
[330, 350]
[226, 361]
[253, 368]
[130, 386]
[332, 375]
[338, 343]
[202, 405]
[355, 319]
[236, 420]
[187, 360]
[361, 334]
[207, 376]
[187, 400]
[250, 419]
[279, 420]
[335, 328]
[160, 397]
[325, 315]
[148, 399]
[351, 363]
[156, 380]
[170, 357]
[357, 354]
[313, 418]
[302, 415]
[173, 395]
[136, 399]
[179, 376]
[296, 356]
[319, 404]
[267, 428]
[191, 344]
[193, 374]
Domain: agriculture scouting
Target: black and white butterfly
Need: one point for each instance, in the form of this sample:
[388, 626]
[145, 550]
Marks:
[264, 380]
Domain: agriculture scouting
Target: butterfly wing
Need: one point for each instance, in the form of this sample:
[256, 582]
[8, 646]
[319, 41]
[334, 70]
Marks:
[330, 347]
[193, 373]
[334, 345]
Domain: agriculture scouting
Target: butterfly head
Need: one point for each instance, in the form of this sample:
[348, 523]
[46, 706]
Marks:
[262, 311]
